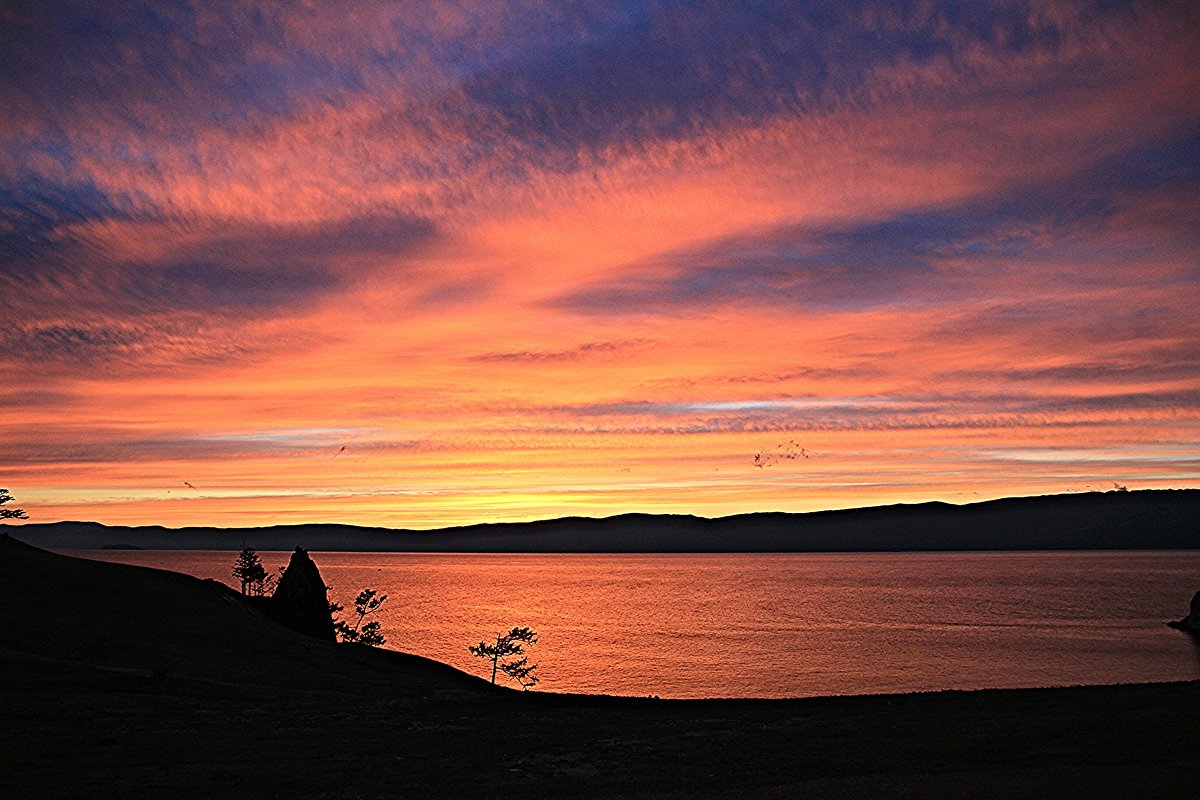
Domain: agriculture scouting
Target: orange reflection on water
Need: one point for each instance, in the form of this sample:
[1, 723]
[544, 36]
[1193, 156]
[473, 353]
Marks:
[777, 625]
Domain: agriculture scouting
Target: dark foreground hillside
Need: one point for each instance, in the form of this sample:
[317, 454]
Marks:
[119, 681]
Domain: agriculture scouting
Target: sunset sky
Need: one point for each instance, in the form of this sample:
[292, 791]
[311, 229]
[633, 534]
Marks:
[433, 263]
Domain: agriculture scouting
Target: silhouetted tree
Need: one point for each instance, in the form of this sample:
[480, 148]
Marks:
[249, 570]
[510, 644]
[370, 633]
[10, 513]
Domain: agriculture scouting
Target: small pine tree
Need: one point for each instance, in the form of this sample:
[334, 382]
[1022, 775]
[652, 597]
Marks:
[510, 644]
[250, 571]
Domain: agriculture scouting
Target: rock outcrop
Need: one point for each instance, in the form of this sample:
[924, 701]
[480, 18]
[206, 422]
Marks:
[1190, 623]
[300, 601]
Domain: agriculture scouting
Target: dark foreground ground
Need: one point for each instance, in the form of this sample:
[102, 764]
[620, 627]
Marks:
[119, 681]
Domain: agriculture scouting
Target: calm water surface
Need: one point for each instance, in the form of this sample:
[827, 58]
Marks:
[777, 625]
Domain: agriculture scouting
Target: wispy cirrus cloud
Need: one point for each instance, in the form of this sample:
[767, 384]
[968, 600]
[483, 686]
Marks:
[91, 286]
[97, 446]
[934, 256]
[179, 344]
[1157, 365]
[578, 352]
[943, 405]
[150, 265]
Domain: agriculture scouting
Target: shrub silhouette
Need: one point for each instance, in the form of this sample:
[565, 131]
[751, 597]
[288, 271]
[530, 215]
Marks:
[371, 634]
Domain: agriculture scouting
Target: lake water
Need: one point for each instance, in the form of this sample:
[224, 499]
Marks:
[752, 625]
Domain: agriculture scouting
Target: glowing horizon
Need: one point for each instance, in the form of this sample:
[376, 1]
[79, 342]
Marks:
[418, 267]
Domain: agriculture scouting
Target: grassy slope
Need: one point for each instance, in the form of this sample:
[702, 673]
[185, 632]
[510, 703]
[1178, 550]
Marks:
[123, 681]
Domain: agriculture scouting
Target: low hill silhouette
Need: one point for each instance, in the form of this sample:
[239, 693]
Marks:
[1163, 519]
[121, 681]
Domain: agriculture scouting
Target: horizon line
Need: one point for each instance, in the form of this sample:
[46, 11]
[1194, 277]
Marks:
[571, 517]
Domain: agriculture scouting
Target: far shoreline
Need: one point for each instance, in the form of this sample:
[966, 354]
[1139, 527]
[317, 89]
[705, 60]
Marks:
[1149, 519]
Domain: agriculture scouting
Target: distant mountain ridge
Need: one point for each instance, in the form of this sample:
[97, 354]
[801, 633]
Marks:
[1158, 519]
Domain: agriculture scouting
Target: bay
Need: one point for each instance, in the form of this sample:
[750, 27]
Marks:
[776, 625]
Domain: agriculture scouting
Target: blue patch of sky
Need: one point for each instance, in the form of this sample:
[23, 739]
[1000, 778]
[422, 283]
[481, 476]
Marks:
[664, 69]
